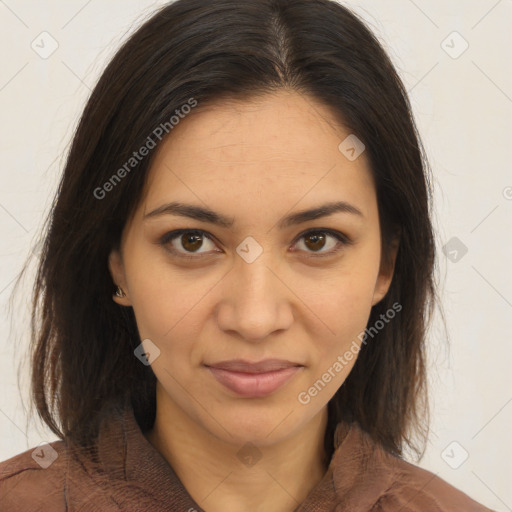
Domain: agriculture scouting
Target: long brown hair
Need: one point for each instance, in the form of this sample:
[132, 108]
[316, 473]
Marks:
[82, 342]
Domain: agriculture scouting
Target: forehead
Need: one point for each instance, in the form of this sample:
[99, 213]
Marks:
[283, 125]
[282, 146]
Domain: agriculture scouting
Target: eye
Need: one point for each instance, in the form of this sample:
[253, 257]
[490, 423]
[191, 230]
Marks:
[187, 242]
[189, 239]
[316, 239]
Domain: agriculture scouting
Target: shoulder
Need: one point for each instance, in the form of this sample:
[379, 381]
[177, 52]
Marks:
[54, 477]
[34, 479]
[369, 478]
[58, 476]
[414, 488]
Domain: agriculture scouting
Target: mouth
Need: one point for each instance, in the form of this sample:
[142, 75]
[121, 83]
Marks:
[253, 380]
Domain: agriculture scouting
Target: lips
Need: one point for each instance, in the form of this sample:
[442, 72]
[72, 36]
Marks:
[254, 379]
[267, 365]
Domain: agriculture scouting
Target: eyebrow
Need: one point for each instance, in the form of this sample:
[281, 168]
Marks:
[206, 215]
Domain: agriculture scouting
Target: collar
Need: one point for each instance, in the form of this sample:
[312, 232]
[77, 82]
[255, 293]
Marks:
[127, 469]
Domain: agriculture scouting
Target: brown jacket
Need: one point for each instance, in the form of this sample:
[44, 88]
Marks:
[131, 475]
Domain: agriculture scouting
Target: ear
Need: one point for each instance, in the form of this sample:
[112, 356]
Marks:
[116, 268]
[387, 267]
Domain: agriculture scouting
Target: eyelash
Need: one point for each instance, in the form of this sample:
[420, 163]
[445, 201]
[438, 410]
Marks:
[171, 235]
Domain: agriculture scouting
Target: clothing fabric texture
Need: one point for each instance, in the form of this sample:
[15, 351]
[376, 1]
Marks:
[124, 472]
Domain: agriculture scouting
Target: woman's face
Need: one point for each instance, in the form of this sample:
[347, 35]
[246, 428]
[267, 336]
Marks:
[255, 287]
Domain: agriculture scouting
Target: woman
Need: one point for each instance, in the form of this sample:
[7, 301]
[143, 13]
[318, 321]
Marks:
[237, 276]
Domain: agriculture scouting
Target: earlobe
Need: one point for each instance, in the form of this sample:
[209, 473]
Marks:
[386, 271]
[116, 268]
[381, 289]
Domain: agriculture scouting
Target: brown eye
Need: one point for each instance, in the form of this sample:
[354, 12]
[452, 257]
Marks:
[186, 242]
[191, 242]
[315, 241]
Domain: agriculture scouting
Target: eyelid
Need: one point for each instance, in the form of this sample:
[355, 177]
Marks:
[171, 235]
[342, 239]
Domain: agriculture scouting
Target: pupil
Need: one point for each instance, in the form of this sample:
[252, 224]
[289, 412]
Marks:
[192, 239]
[316, 239]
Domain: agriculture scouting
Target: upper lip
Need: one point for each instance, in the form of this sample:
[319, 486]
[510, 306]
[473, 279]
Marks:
[266, 365]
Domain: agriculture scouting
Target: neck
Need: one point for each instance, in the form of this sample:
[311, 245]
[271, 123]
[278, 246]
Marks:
[221, 476]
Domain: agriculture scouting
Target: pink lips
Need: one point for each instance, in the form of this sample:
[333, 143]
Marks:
[254, 379]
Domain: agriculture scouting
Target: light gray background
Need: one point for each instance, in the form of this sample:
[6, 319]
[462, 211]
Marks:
[463, 107]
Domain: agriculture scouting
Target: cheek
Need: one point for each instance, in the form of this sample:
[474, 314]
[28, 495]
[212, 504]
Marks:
[163, 298]
[347, 320]
[334, 353]
[344, 306]
[167, 316]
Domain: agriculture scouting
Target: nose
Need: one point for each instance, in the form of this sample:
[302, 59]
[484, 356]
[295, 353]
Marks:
[256, 301]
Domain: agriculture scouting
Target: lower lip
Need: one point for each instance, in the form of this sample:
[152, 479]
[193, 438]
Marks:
[254, 384]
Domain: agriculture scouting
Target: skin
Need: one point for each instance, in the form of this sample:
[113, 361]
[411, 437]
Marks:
[255, 162]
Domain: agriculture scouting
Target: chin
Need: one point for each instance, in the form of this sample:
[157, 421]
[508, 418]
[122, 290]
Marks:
[261, 427]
